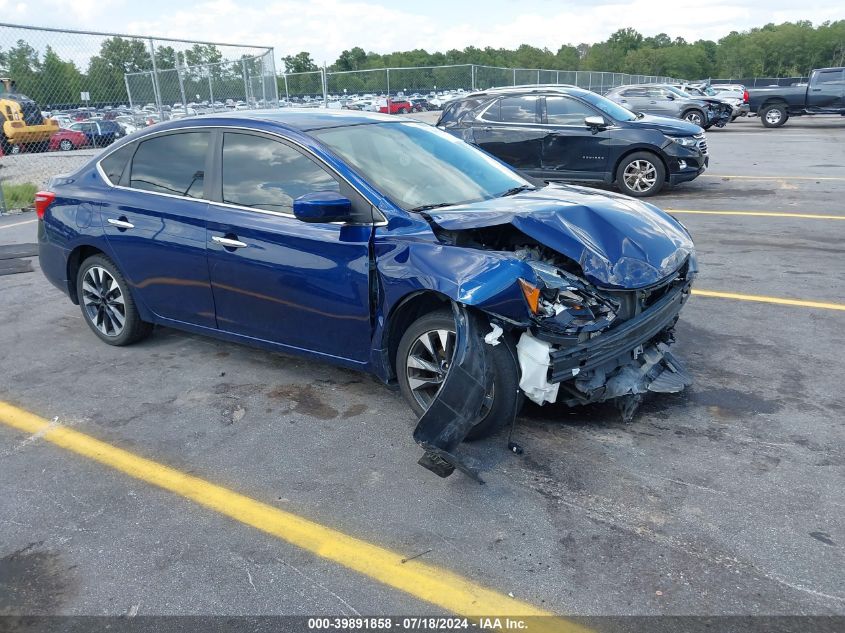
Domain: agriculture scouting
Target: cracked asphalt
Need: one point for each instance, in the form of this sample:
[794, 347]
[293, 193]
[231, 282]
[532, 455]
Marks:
[725, 499]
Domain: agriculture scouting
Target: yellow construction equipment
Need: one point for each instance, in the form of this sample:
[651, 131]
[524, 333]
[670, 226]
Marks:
[23, 123]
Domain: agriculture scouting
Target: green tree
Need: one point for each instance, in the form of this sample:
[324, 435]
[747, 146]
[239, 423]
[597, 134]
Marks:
[299, 63]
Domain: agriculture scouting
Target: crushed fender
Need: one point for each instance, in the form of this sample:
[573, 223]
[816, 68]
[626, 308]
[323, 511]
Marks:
[455, 410]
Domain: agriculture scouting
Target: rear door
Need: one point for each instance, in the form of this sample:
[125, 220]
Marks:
[154, 221]
[276, 278]
[826, 90]
[511, 130]
[635, 99]
[570, 148]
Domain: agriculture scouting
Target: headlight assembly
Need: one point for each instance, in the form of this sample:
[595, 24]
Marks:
[686, 141]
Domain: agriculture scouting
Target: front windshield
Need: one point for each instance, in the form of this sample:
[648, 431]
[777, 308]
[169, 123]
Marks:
[417, 166]
[614, 110]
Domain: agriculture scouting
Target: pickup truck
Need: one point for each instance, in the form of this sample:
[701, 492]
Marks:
[823, 94]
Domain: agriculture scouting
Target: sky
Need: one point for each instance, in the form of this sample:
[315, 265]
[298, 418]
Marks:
[327, 27]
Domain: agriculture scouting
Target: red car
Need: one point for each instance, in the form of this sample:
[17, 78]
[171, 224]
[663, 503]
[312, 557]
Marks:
[67, 140]
[396, 105]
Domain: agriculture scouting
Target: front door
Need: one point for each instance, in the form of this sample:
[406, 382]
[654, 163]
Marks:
[570, 148]
[827, 89]
[276, 278]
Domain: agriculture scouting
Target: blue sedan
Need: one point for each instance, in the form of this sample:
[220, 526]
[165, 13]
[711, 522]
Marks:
[381, 244]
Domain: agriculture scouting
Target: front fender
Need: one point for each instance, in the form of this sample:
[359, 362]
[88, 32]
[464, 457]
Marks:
[487, 280]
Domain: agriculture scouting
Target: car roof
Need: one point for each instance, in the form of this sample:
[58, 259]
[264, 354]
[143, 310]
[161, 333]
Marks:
[528, 89]
[305, 119]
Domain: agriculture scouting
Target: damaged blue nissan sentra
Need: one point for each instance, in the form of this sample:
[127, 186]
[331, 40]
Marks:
[381, 244]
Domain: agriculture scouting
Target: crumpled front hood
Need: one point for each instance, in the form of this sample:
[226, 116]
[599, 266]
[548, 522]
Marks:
[619, 242]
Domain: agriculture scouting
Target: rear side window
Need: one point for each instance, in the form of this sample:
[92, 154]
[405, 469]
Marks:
[518, 110]
[262, 173]
[173, 164]
[115, 163]
[492, 113]
[456, 110]
[633, 92]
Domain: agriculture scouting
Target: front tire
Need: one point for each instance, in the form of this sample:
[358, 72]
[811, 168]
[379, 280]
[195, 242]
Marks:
[65, 145]
[774, 115]
[641, 174]
[422, 364]
[695, 116]
[107, 306]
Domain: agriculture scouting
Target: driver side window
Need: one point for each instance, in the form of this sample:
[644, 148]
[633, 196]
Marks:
[566, 111]
[263, 173]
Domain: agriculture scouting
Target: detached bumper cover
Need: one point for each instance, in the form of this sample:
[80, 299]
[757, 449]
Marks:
[620, 343]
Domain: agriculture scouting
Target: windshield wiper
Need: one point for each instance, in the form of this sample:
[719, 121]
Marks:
[426, 207]
[516, 190]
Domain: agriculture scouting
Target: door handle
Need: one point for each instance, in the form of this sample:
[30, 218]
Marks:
[121, 223]
[817, 89]
[623, 101]
[228, 242]
[487, 128]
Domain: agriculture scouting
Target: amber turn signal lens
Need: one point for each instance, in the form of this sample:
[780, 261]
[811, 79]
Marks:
[532, 295]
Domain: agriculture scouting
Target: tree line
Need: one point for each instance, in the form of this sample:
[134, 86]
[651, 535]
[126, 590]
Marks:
[790, 49]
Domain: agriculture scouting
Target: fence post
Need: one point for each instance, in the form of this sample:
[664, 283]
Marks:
[538, 77]
[388, 91]
[246, 85]
[182, 88]
[156, 87]
[128, 93]
[325, 86]
[210, 91]
[472, 76]
[287, 93]
[590, 84]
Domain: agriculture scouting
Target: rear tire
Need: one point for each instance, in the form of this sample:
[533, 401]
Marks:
[106, 303]
[504, 398]
[774, 115]
[641, 174]
[66, 145]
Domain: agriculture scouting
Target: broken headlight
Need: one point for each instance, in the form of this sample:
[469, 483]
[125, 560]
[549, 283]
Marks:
[564, 302]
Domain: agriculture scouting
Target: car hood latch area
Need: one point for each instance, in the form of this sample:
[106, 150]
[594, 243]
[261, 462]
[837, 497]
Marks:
[456, 408]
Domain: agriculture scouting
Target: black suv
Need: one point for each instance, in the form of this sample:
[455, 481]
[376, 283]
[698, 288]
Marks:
[566, 133]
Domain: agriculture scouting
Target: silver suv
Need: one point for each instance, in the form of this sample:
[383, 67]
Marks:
[661, 101]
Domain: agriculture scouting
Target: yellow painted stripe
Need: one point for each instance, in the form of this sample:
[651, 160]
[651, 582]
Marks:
[8, 226]
[765, 214]
[431, 584]
[765, 299]
[737, 177]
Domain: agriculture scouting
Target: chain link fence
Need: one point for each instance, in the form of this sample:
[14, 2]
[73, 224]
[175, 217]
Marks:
[65, 94]
[370, 88]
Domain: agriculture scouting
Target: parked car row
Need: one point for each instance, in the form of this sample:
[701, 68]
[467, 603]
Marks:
[673, 101]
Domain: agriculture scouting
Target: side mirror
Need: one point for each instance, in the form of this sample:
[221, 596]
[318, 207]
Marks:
[322, 207]
[595, 123]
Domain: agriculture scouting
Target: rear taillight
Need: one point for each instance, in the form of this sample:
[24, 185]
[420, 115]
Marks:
[745, 96]
[43, 199]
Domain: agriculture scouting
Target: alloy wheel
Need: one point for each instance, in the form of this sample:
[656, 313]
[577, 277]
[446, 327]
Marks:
[640, 175]
[66, 145]
[103, 301]
[694, 117]
[427, 366]
[773, 116]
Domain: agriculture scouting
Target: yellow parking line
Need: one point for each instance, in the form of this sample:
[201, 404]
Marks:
[766, 214]
[737, 177]
[429, 583]
[765, 299]
[8, 226]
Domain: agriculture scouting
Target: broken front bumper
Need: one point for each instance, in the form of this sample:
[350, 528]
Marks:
[617, 345]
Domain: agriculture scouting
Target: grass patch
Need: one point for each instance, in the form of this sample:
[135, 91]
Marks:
[19, 196]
